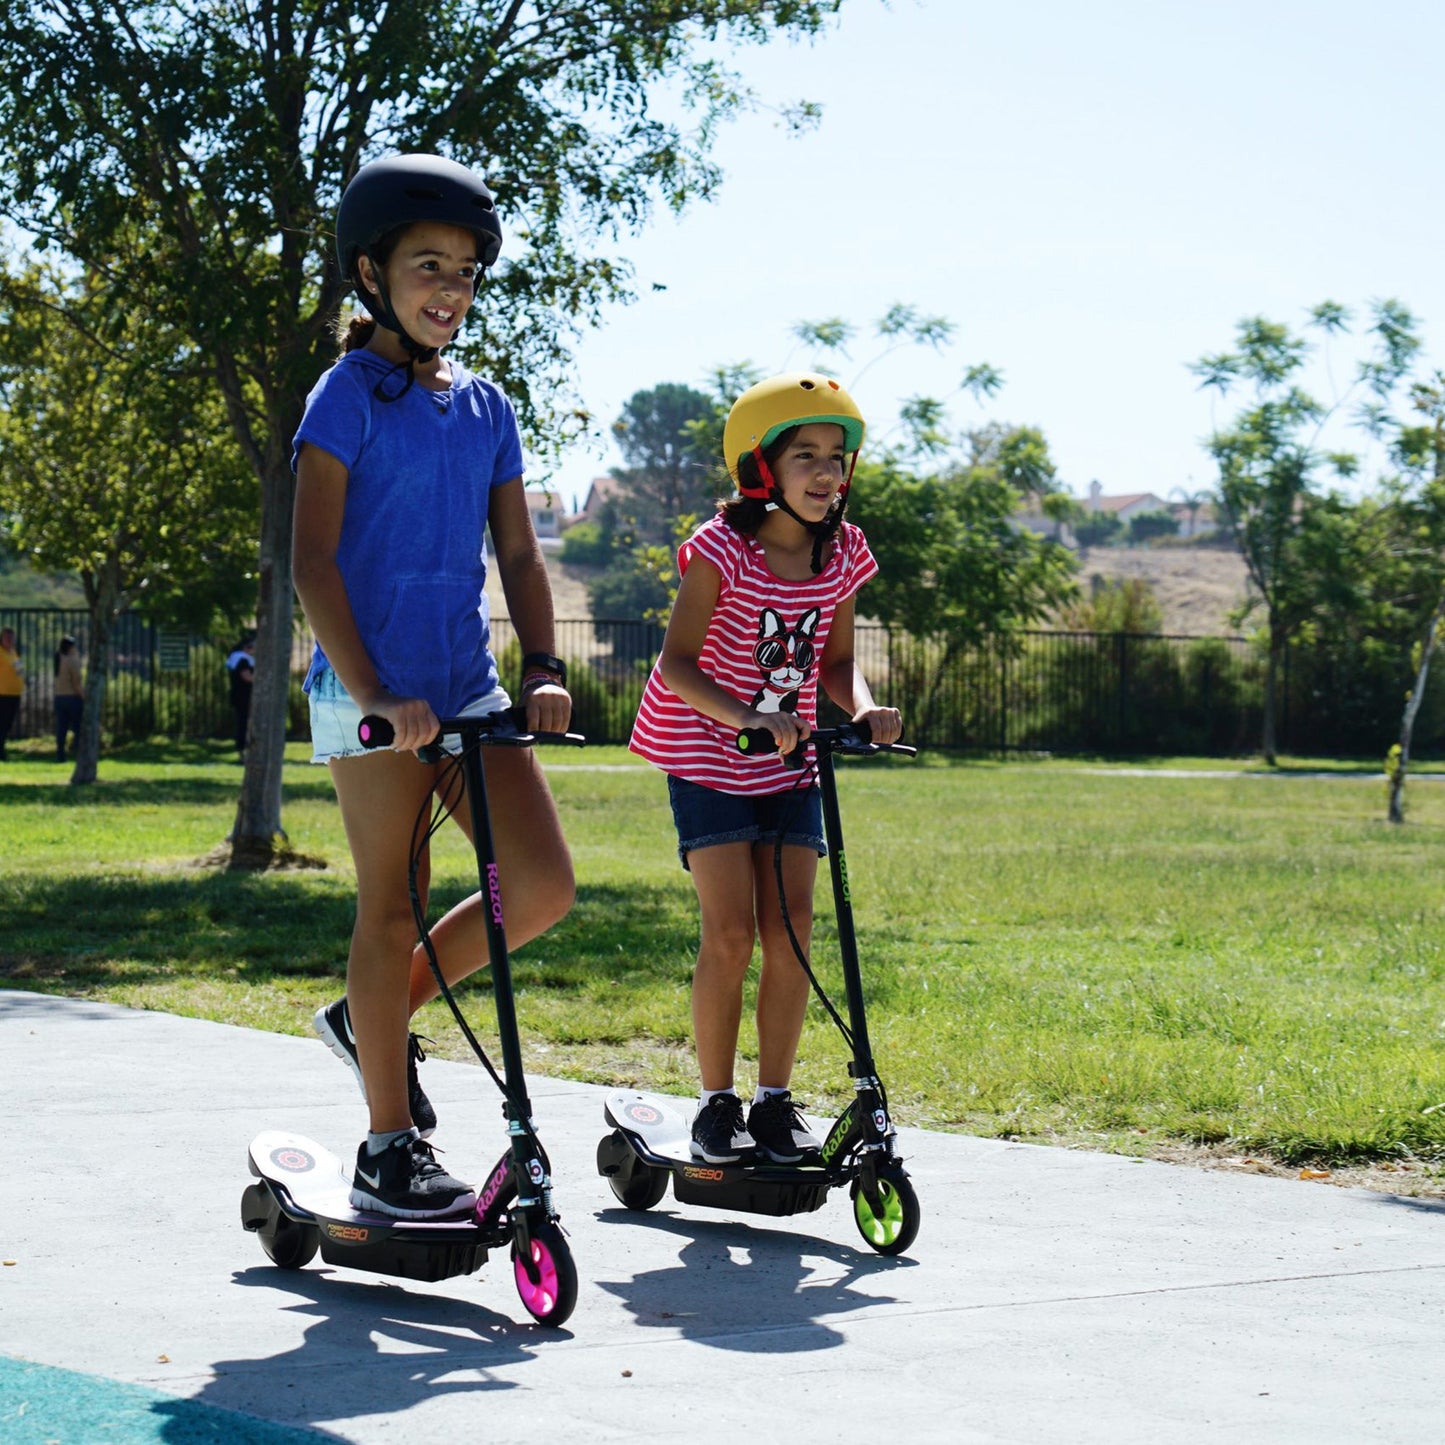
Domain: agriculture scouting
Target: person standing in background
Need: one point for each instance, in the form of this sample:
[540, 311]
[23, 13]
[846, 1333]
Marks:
[241, 665]
[12, 684]
[69, 696]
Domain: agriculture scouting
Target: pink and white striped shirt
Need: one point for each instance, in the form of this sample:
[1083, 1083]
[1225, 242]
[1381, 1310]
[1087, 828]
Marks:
[764, 644]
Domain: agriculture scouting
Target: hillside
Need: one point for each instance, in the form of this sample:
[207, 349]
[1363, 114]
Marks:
[1196, 587]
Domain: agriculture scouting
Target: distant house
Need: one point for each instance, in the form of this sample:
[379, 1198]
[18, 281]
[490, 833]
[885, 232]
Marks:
[548, 520]
[1193, 521]
[1130, 504]
[601, 489]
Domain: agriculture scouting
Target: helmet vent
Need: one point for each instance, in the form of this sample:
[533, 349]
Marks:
[806, 385]
[483, 203]
[423, 193]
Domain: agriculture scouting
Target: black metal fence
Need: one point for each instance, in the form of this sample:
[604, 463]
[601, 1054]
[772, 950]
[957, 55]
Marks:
[1066, 692]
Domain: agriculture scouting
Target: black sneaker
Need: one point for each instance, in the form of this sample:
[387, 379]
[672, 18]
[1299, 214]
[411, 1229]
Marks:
[406, 1182]
[781, 1132]
[333, 1024]
[718, 1132]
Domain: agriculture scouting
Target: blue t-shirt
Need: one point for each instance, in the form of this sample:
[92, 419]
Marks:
[420, 473]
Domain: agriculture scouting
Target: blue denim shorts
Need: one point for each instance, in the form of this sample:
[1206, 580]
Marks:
[706, 817]
[335, 718]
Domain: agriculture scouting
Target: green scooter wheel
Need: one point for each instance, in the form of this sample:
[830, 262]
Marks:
[893, 1225]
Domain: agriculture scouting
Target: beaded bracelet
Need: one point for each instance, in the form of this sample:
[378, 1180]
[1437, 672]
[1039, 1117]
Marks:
[535, 680]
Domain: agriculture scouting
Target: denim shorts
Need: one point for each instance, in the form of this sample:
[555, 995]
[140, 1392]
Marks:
[706, 817]
[335, 718]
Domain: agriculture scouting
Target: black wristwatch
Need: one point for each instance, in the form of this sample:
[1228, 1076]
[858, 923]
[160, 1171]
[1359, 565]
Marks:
[547, 663]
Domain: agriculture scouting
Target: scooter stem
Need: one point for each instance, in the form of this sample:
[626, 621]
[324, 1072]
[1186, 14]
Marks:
[862, 1065]
[519, 1106]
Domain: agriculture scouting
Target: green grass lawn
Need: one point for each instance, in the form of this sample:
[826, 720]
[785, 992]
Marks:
[1071, 952]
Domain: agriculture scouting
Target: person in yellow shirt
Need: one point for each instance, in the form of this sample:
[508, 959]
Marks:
[12, 684]
[69, 696]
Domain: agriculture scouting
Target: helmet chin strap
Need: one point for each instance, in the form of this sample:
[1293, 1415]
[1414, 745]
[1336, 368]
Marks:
[772, 497]
[415, 351]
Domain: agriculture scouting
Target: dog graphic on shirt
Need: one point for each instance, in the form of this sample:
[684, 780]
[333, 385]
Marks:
[785, 655]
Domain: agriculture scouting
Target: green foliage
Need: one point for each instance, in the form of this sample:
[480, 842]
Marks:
[642, 589]
[22, 586]
[1146, 527]
[586, 544]
[127, 479]
[1125, 605]
[951, 562]
[1098, 529]
[1268, 463]
[671, 439]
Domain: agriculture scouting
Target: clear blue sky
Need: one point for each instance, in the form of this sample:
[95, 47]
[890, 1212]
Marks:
[1094, 193]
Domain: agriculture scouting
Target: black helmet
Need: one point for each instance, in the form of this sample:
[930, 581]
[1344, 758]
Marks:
[402, 190]
[398, 191]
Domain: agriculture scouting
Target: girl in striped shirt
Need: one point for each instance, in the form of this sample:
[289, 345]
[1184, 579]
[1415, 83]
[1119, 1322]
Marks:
[764, 613]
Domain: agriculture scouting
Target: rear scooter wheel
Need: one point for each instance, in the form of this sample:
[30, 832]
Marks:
[893, 1226]
[289, 1244]
[552, 1296]
[636, 1184]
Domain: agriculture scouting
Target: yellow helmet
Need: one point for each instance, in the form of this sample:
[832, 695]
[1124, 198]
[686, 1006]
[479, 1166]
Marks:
[772, 406]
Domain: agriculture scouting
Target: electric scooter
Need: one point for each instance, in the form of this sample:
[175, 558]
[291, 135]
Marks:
[650, 1143]
[300, 1201]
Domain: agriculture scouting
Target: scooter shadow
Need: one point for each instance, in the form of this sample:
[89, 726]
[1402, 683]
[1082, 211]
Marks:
[747, 1287]
[408, 1345]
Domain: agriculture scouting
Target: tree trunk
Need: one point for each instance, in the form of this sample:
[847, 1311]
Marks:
[104, 599]
[1268, 743]
[258, 833]
[1401, 761]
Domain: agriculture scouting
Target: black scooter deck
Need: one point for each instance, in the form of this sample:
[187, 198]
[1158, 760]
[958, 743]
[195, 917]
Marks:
[309, 1184]
[653, 1131]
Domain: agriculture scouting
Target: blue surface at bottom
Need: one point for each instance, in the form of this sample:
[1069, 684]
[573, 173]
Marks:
[42, 1405]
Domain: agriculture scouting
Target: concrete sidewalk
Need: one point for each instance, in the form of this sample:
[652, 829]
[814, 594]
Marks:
[1050, 1295]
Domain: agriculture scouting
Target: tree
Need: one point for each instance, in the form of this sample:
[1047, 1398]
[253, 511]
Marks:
[1193, 500]
[1146, 527]
[191, 156]
[954, 569]
[673, 450]
[1420, 450]
[1097, 529]
[1268, 463]
[117, 472]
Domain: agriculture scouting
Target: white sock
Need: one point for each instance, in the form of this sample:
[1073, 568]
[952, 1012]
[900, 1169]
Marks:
[766, 1093]
[375, 1143]
[708, 1095]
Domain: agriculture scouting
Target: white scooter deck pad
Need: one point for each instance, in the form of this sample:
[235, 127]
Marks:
[320, 1183]
[658, 1122]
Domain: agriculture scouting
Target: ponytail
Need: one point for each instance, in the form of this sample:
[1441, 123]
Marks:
[354, 331]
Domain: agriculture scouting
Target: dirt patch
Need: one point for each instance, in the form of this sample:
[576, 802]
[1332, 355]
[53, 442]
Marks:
[569, 590]
[1412, 1178]
[283, 859]
[1196, 587]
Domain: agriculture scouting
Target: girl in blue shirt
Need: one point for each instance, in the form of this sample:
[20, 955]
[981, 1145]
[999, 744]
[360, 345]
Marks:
[403, 459]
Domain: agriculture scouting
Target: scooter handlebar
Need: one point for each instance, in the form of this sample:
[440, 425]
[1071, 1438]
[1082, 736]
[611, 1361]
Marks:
[508, 727]
[847, 738]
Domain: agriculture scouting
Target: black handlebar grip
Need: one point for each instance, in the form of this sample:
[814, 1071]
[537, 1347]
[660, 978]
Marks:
[756, 740]
[375, 732]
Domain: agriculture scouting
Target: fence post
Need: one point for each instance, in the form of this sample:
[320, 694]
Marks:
[1121, 685]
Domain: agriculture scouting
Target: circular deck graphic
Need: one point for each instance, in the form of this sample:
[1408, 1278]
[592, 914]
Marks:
[641, 1113]
[293, 1160]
